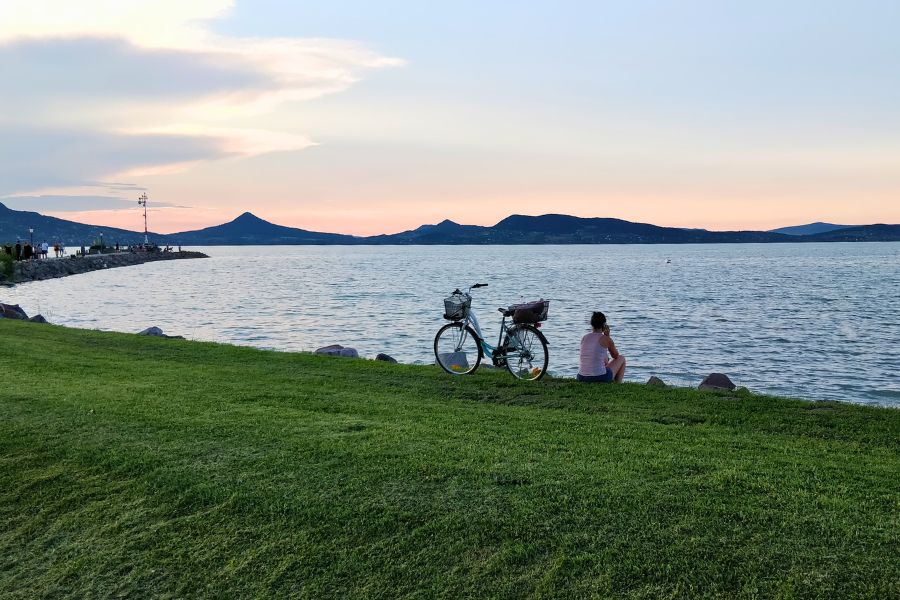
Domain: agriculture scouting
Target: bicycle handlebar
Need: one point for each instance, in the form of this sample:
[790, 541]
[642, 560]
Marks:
[471, 287]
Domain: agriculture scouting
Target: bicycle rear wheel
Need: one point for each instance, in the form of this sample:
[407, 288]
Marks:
[456, 349]
[527, 355]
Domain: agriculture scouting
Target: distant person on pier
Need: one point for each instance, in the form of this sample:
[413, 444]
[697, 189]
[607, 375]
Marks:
[18, 250]
[596, 349]
[27, 252]
[45, 249]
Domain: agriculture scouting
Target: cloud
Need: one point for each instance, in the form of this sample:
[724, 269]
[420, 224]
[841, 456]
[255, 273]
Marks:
[33, 158]
[171, 23]
[115, 186]
[64, 203]
[112, 70]
[96, 89]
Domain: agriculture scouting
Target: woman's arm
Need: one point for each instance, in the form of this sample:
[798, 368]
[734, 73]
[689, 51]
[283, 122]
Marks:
[610, 345]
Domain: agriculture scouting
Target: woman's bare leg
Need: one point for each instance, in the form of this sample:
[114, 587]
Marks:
[617, 366]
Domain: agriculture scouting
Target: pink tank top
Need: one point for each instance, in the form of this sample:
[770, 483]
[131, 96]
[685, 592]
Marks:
[593, 356]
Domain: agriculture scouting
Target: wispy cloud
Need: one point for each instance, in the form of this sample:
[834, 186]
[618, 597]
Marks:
[94, 90]
[34, 158]
[73, 203]
[114, 186]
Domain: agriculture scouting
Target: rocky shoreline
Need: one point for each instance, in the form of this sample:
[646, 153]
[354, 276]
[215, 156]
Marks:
[52, 268]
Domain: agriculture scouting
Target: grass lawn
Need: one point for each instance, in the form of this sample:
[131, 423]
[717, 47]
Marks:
[142, 467]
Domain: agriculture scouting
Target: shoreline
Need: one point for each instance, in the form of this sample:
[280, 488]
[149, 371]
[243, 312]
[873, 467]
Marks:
[739, 392]
[54, 268]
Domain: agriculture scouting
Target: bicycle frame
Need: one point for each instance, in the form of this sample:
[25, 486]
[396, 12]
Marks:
[486, 348]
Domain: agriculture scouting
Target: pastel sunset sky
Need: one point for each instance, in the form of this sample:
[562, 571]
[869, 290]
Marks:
[361, 116]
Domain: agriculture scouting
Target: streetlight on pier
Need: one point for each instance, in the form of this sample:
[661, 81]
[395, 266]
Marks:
[142, 201]
[31, 236]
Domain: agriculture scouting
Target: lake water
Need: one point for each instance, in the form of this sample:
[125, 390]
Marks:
[817, 321]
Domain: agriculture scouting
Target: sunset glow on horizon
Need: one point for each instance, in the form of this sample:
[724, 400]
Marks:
[348, 119]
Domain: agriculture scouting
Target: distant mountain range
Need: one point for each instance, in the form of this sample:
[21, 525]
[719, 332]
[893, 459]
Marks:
[249, 229]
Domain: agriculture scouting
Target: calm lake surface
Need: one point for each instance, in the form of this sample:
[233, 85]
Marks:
[816, 321]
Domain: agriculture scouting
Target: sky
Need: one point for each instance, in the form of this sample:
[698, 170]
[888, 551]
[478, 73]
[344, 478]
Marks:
[367, 117]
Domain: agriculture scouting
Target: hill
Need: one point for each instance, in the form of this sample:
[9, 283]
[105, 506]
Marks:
[809, 229]
[865, 233]
[248, 229]
[566, 229]
[190, 469]
[14, 225]
[445, 232]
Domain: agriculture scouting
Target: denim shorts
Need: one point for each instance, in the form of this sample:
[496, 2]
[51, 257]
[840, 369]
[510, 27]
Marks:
[605, 378]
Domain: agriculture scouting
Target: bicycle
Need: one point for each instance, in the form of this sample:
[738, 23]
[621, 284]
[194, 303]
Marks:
[521, 347]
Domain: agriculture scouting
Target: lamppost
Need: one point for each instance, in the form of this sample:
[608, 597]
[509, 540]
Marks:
[142, 201]
[31, 236]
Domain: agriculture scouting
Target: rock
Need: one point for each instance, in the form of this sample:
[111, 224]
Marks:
[157, 332]
[12, 311]
[338, 350]
[716, 381]
[385, 357]
[38, 319]
[154, 331]
[656, 381]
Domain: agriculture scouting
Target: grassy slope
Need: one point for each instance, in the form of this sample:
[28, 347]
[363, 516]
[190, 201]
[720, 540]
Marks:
[147, 467]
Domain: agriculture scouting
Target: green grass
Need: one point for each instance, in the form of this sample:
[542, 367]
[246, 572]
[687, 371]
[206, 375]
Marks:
[141, 467]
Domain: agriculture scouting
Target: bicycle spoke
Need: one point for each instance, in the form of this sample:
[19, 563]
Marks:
[527, 354]
[456, 349]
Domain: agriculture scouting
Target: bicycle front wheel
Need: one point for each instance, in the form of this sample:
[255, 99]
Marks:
[456, 349]
[527, 355]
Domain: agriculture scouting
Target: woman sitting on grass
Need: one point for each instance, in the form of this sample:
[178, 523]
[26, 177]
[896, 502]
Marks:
[596, 348]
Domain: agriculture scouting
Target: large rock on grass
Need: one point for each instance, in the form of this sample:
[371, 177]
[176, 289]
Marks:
[38, 319]
[656, 381]
[157, 332]
[385, 357]
[716, 381]
[153, 331]
[12, 311]
[338, 350]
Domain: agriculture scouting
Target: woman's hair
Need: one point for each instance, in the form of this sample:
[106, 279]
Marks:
[598, 320]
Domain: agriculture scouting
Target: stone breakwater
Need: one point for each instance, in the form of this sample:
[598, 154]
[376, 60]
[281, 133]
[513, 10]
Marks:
[51, 268]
